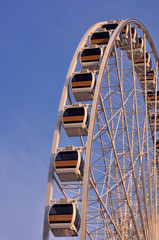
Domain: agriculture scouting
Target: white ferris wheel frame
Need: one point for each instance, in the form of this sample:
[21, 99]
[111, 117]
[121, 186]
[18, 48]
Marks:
[56, 137]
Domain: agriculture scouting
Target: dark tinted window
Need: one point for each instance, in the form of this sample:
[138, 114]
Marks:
[150, 93]
[150, 73]
[61, 209]
[132, 30]
[82, 77]
[110, 26]
[147, 54]
[100, 35]
[91, 51]
[67, 155]
[140, 40]
[77, 222]
[74, 112]
[81, 166]
[87, 120]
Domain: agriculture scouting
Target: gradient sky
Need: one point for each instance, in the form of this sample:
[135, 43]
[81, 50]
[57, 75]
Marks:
[37, 42]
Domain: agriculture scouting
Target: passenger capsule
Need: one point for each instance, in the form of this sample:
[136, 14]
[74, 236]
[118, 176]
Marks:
[139, 63]
[138, 51]
[125, 44]
[150, 79]
[76, 120]
[91, 57]
[83, 85]
[152, 120]
[64, 220]
[69, 165]
[151, 99]
[100, 38]
[111, 27]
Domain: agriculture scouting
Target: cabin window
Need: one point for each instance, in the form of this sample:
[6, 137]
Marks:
[82, 77]
[61, 209]
[132, 30]
[110, 26]
[74, 112]
[87, 120]
[81, 168]
[140, 40]
[150, 94]
[77, 220]
[91, 51]
[67, 155]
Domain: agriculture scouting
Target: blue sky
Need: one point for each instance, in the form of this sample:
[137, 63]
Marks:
[37, 42]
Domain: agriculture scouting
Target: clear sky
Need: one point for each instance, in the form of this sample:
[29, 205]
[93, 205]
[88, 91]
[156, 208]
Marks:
[37, 42]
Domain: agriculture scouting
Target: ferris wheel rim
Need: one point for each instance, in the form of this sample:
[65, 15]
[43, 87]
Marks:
[95, 99]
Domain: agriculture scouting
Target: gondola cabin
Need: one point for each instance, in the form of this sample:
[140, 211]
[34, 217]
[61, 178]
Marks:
[138, 51]
[125, 44]
[134, 38]
[100, 38]
[157, 146]
[83, 85]
[152, 121]
[111, 27]
[64, 220]
[139, 63]
[151, 99]
[69, 165]
[150, 79]
[91, 57]
[76, 120]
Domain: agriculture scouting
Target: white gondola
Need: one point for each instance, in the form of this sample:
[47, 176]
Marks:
[138, 51]
[76, 120]
[125, 44]
[111, 26]
[139, 63]
[91, 57]
[150, 79]
[69, 165]
[152, 120]
[83, 85]
[64, 219]
[151, 99]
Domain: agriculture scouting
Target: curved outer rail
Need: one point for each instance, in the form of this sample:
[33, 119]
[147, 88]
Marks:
[49, 190]
[93, 115]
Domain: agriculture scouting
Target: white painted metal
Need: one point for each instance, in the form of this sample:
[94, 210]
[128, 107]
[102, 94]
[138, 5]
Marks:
[110, 219]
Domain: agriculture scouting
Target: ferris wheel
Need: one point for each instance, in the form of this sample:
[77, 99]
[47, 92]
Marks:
[104, 164]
